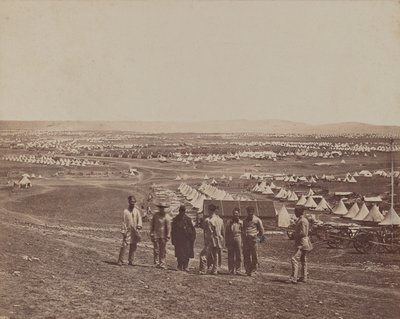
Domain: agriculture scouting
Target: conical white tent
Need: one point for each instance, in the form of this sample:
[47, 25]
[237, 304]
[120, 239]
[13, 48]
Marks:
[352, 180]
[282, 193]
[362, 213]
[391, 218]
[310, 192]
[352, 211]
[268, 191]
[292, 197]
[312, 180]
[292, 180]
[323, 206]
[25, 182]
[374, 215]
[214, 182]
[283, 217]
[310, 203]
[273, 186]
[301, 201]
[340, 209]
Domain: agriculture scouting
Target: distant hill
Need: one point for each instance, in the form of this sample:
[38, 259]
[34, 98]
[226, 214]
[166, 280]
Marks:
[233, 126]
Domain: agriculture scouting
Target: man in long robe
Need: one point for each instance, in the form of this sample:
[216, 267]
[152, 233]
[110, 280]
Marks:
[183, 235]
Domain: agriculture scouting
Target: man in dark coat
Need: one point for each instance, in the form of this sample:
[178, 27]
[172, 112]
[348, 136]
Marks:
[183, 235]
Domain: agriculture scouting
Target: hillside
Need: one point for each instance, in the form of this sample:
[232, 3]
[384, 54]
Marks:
[233, 126]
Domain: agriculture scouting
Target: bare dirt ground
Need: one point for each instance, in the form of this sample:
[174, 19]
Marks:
[59, 242]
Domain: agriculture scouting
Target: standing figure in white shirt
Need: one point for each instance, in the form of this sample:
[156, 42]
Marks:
[132, 224]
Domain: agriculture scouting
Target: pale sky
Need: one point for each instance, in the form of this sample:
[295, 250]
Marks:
[308, 61]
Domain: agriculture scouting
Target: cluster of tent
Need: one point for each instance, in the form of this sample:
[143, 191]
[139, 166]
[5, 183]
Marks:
[206, 178]
[192, 195]
[347, 179]
[270, 155]
[355, 213]
[214, 192]
[69, 146]
[206, 191]
[319, 149]
[188, 158]
[49, 160]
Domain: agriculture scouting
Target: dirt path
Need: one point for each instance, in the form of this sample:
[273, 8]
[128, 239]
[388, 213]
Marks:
[73, 274]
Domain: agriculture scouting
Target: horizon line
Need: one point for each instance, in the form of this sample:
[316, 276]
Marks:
[202, 121]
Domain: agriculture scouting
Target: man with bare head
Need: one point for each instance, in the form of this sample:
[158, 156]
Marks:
[302, 246]
[131, 225]
[252, 226]
[214, 233]
[233, 233]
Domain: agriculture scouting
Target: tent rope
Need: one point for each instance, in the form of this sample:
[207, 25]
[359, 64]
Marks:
[258, 213]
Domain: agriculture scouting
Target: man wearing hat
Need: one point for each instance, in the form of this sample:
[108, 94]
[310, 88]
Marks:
[132, 223]
[252, 226]
[214, 234]
[183, 236]
[302, 245]
[160, 233]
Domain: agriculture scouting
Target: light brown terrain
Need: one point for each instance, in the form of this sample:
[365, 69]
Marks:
[59, 242]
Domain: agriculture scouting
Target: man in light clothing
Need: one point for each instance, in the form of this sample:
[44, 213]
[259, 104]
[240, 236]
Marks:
[252, 226]
[233, 232]
[302, 245]
[131, 225]
[214, 234]
[160, 233]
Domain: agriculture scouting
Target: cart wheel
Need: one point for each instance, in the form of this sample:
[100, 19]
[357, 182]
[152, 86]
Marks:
[393, 241]
[317, 235]
[362, 243]
[290, 234]
[336, 239]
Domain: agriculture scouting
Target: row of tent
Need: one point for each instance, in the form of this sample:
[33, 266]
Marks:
[308, 201]
[355, 214]
[192, 195]
[206, 191]
[348, 178]
[362, 213]
[345, 148]
[206, 178]
[48, 160]
[291, 196]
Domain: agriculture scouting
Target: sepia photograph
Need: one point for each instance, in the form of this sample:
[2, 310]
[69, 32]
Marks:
[200, 159]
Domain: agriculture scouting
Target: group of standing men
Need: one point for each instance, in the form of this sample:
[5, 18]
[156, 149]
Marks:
[240, 237]
[180, 230]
